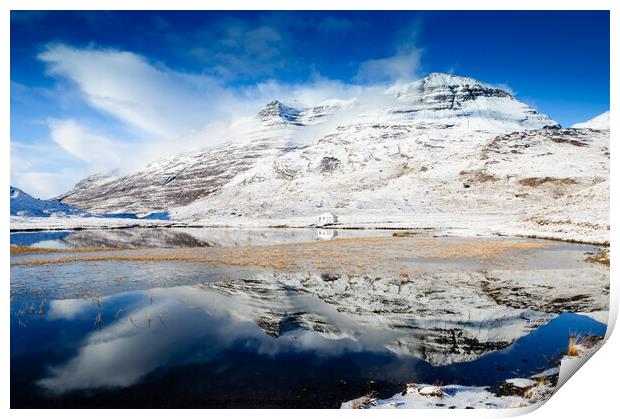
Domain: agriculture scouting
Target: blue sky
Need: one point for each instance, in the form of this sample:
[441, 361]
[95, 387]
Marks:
[91, 91]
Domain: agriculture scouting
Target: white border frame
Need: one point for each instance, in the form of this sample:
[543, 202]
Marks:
[591, 393]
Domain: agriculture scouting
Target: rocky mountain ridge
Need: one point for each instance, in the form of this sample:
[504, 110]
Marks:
[442, 146]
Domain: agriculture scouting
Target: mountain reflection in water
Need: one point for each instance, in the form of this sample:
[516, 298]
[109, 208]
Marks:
[181, 334]
[179, 237]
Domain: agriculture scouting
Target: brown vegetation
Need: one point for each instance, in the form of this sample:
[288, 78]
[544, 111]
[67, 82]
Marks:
[479, 176]
[601, 257]
[537, 181]
[578, 343]
[350, 255]
[561, 140]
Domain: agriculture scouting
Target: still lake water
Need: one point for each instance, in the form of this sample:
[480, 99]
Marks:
[181, 334]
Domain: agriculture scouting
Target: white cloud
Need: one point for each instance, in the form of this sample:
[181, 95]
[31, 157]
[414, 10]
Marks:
[46, 184]
[168, 111]
[43, 170]
[96, 150]
[154, 100]
[68, 309]
[403, 66]
[114, 355]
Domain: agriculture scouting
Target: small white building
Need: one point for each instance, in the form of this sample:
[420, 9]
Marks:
[327, 218]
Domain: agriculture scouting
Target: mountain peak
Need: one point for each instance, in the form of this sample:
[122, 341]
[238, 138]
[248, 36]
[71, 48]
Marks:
[598, 122]
[437, 80]
[447, 79]
[277, 113]
[456, 98]
[286, 142]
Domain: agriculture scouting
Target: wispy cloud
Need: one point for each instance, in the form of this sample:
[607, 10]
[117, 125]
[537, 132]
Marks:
[98, 151]
[168, 111]
[43, 169]
[151, 98]
[332, 25]
[254, 48]
[403, 65]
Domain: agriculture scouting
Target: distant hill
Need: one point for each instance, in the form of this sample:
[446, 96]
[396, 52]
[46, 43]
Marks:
[599, 122]
[26, 205]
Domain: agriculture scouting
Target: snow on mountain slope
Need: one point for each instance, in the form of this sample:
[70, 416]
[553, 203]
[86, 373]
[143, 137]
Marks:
[90, 182]
[23, 204]
[584, 213]
[174, 181]
[473, 104]
[599, 122]
[431, 105]
[382, 175]
[445, 148]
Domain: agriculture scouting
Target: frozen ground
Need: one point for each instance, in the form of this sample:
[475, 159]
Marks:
[558, 222]
[20, 223]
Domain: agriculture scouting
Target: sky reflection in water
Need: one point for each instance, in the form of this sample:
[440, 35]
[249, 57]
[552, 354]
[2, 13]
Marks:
[185, 335]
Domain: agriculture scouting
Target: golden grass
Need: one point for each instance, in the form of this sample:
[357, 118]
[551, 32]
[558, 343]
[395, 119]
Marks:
[577, 344]
[16, 250]
[601, 257]
[573, 347]
[351, 255]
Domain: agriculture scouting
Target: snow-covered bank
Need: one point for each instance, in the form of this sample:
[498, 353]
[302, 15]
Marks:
[30, 213]
[513, 393]
[440, 224]
[424, 396]
[19, 223]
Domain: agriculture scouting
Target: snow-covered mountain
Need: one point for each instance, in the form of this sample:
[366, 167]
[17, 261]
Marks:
[599, 122]
[443, 147]
[25, 205]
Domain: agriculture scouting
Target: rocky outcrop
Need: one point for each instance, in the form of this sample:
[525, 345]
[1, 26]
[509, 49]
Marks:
[276, 113]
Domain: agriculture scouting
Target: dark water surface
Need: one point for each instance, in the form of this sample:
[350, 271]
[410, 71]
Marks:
[190, 355]
[121, 334]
